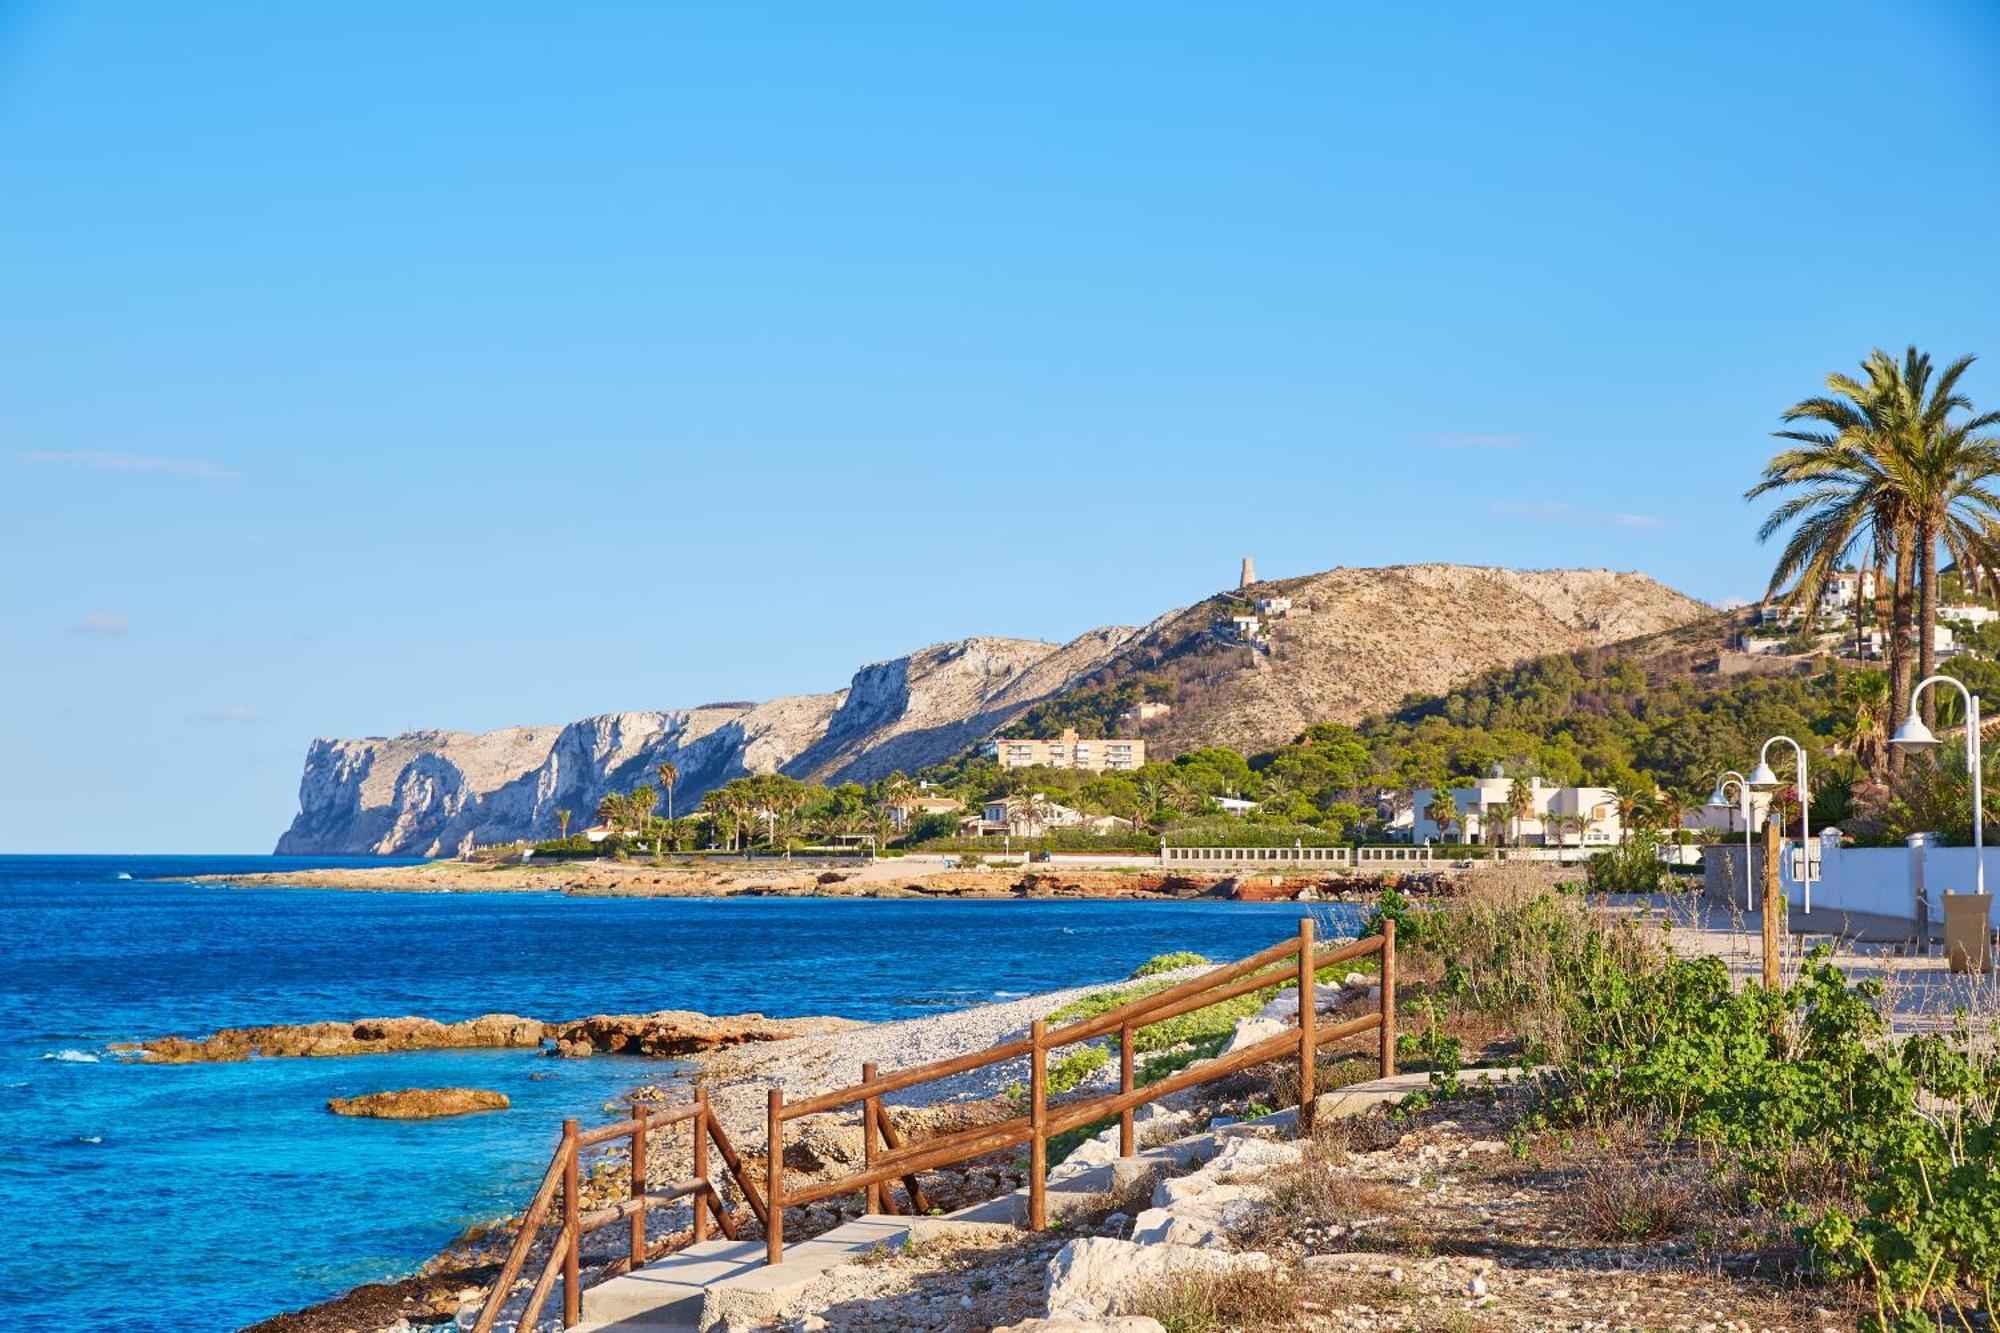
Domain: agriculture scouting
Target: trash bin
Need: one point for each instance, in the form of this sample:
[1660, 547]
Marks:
[1968, 931]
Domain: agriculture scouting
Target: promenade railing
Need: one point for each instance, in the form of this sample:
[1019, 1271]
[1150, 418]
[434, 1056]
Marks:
[887, 1158]
[558, 1204]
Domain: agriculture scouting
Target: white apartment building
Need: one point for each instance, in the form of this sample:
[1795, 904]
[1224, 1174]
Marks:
[1071, 751]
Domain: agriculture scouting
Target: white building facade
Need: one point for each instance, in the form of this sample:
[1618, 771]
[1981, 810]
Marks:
[1484, 812]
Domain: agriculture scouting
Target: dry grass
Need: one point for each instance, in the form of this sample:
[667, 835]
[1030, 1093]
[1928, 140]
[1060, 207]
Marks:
[1281, 1085]
[1635, 1201]
[1273, 1299]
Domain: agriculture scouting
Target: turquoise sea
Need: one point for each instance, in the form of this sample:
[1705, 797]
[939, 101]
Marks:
[206, 1197]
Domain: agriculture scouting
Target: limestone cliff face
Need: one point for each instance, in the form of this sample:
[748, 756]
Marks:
[1355, 641]
[437, 792]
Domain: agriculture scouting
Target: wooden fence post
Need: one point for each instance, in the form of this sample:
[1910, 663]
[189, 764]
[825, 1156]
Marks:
[1773, 903]
[701, 1114]
[639, 1110]
[1038, 1123]
[1125, 1085]
[1308, 1016]
[774, 1179]
[572, 1230]
[869, 1115]
[1388, 997]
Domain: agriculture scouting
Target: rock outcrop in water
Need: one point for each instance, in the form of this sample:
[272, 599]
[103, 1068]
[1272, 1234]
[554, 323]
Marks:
[678, 1032]
[366, 1036]
[419, 1103]
[1353, 642]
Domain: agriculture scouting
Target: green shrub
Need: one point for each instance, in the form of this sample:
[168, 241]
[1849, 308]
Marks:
[1633, 866]
[1071, 1069]
[574, 845]
[1170, 962]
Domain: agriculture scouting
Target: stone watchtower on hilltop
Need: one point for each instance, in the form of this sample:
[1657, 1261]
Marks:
[1249, 573]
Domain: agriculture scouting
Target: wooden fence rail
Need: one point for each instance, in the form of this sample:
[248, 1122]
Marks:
[563, 1181]
[892, 1159]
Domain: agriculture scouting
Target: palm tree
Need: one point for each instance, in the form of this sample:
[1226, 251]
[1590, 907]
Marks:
[562, 822]
[669, 775]
[1847, 491]
[1951, 468]
[641, 802]
[611, 810]
[1631, 810]
[1894, 465]
[1668, 807]
[1443, 812]
[1864, 704]
[1520, 804]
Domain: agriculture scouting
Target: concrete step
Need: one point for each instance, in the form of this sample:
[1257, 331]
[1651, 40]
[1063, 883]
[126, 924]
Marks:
[720, 1281]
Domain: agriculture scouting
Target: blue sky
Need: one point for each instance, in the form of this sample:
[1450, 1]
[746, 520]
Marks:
[373, 366]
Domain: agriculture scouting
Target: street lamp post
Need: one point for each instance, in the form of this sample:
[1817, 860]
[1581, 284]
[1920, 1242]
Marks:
[1762, 778]
[1719, 799]
[1914, 735]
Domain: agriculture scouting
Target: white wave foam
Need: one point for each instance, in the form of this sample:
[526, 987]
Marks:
[71, 1057]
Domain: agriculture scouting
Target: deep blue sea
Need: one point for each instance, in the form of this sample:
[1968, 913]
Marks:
[204, 1197]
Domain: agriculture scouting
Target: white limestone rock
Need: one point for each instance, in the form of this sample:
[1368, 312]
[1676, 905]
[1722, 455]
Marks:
[1250, 1031]
[1096, 1276]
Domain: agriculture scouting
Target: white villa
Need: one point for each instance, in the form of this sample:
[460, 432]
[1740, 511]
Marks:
[1484, 812]
[904, 811]
[1034, 816]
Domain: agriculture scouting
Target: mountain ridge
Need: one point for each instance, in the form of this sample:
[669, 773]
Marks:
[1356, 641]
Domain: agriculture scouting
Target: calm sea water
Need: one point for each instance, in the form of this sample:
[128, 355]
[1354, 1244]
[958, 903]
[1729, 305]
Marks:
[137, 1197]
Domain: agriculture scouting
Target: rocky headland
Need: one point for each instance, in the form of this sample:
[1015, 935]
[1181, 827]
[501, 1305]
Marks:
[1352, 642]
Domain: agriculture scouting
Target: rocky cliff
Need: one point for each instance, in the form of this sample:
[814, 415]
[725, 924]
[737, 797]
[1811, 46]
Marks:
[1354, 641]
[431, 792]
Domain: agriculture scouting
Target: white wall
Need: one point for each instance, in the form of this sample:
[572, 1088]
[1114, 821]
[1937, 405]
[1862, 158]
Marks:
[1883, 881]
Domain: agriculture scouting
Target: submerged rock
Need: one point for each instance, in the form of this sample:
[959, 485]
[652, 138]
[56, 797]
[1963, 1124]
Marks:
[420, 1103]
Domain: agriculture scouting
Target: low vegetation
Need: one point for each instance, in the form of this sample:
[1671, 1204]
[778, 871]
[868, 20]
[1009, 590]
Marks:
[1863, 1159]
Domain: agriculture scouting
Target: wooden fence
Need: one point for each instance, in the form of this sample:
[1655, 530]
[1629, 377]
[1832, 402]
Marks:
[573, 1224]
[891, 1159]
[886, 1158]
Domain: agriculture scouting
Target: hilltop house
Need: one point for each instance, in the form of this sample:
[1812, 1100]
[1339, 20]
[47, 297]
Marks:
[1484, 812]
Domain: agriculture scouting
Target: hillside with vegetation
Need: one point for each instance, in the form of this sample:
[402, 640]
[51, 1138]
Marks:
[1345, 644]
[1351, 642]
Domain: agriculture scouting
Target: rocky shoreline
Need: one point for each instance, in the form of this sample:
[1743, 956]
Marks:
[906, 877]
[810, 1056]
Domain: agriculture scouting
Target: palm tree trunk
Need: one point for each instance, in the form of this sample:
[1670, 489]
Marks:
[1927, 611]
[1860, 601]
[1899, 643]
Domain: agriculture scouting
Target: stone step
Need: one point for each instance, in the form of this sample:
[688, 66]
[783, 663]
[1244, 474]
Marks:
[721, 1281]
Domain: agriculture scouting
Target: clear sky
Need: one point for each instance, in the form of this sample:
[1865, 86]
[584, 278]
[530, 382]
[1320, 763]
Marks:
[373, 366]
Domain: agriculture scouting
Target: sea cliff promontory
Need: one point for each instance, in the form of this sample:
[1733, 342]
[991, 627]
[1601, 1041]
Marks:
[1333, 646]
